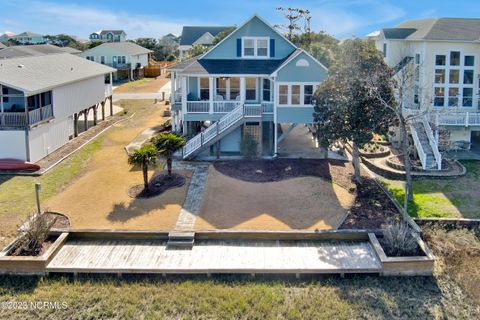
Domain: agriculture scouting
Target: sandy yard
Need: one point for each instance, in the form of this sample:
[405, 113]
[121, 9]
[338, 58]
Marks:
[99, 199]
[297, 203]
[145, 85]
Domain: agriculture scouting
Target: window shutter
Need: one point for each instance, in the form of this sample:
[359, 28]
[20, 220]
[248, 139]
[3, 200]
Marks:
[272, 48]
[239, 47]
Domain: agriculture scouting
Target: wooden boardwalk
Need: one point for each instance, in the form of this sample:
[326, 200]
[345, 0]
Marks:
[216, 256]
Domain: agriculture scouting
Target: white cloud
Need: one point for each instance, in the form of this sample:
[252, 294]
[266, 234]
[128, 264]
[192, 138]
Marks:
[80, 20]
[346, 18]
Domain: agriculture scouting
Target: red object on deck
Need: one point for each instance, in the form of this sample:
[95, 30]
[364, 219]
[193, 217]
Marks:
[18, 165]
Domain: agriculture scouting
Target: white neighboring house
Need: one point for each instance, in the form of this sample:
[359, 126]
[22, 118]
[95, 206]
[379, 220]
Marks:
[444, 56]
[41, 99]
[127, 57]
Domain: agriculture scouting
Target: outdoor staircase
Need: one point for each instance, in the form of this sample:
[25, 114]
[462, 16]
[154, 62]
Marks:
[180, 240]
[218, 130]
[426, 145]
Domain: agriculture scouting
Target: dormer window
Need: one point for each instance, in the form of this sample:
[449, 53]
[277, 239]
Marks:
[255, 47]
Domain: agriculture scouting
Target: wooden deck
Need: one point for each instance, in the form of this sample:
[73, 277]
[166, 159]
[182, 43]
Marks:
[216, 256]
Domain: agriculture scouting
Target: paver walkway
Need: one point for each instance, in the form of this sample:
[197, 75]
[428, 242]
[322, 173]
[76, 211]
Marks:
[216, 256]
[191, 207]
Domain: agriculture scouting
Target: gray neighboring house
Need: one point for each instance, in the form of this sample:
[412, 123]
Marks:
[127, 57]
[202, 35]
[35, 50]
[109, 36]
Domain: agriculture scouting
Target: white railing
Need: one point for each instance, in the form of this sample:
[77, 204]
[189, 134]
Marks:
[214, 130]
[253, 110]
[224, 106]
[108, 90]
[198, 106]
[13, 119]
[457, 118]
[19, 119]
[177, 96]
[421, 153]
[433, 142]
[267, 107]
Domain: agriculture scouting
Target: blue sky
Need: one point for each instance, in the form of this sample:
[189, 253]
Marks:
[341, 18]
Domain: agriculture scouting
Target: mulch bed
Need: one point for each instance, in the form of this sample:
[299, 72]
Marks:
[372, 206]
[158, 185]
[61, 220]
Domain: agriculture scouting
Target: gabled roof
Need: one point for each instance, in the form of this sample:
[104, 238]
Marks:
[439, 29]
[29, 34]
[34, 50]
[2, 46]
[127, 48]
[190, 34]
[36, 74]
[116, 32]
[230, 66]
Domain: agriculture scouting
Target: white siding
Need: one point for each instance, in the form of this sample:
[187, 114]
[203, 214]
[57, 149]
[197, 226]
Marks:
[12, 145]
[49, 137]
[72, 98]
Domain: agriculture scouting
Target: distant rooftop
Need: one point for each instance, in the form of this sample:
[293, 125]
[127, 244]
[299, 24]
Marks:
[29, 34]
[447, 29]
[127, 47]
[190, 34]
[103, 32]
[2, 46]
[34, 50]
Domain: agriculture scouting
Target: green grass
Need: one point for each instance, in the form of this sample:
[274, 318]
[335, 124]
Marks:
[137, 83]
[443, 198]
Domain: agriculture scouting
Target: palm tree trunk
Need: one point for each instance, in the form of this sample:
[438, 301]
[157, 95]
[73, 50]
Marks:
[356, 162]
[145, 176]
[169, 165]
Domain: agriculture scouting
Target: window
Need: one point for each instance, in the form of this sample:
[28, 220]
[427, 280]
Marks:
[453, 97]
[307, 94]
[221, 88]
[249, 47]
[417, 73]
[283, 94]
[439, 75]
[102, 59]
[256, 47]
[417, 58]
[123, 60]
[454, 76]
[262, 47]
[467, 97]
[455, 58]
[439, 100]
[416, 90]
[204, 89]
[46, 98]
[234, 88]
[266, 90]
[384, 50]
[468, 77]
[251, 89]
[469, 61]
[440, 60]
[295, 94]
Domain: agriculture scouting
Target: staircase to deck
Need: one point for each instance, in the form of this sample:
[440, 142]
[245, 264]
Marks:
[426, 145]
[228, 123]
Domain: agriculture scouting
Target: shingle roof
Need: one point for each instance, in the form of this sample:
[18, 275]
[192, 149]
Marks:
[34, 50]
[39, 73]
[2, 46]
[447, 29]
[128, 48]
[190, 34]
[111, 31]
[29, 34]
[232, 66]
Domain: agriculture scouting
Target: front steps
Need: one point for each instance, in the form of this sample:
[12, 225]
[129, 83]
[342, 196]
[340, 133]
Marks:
[180, 240]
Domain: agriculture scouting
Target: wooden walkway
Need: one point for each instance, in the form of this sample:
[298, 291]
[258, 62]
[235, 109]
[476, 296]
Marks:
[216, 256]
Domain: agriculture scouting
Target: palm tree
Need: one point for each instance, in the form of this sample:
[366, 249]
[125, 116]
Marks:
[145, 156]
[167, 144]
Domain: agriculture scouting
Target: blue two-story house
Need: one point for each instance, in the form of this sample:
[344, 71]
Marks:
[251, 82]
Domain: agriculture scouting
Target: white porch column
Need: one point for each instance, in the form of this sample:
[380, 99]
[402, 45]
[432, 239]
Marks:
[210, 93]
[173, 83]
[275, 119]
[242, 90]
[184, 102]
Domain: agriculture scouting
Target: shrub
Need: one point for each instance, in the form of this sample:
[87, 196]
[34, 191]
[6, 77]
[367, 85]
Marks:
[398, 239]
[33, 235]
[249, 147]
